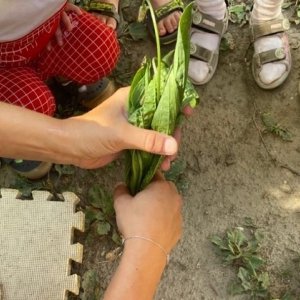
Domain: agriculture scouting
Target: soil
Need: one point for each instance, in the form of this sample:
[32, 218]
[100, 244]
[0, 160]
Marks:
[234, 170]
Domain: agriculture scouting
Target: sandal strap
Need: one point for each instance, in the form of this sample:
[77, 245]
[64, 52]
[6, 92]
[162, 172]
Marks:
[269, 56]
[107, 9]
[202, 53]
[165, 10]
[269, 27]
[204, 21]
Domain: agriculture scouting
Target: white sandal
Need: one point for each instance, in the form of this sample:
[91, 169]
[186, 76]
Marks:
[281, 55]
[207, 23]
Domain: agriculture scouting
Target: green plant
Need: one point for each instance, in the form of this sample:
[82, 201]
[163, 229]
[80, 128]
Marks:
[239, 250]
[100, 212]
[239, 11]
[91, 286]
[242, 252]
[295, 6]
[273, 127]
[159, 90]
[175, 174]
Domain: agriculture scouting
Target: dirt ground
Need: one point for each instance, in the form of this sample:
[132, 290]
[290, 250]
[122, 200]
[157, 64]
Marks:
[230, 175]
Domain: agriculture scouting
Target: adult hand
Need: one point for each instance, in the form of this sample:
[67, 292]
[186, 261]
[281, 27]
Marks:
[66, 22]
[101, 134]
[154, 213]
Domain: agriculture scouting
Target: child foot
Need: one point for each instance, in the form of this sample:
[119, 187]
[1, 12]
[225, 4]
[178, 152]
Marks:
[170, 22]
[198, 69]
[110, 21]
[201, 70]
[270, 73]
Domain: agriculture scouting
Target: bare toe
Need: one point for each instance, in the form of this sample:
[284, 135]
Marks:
[112, 23]
[169, 25]
[161, 28]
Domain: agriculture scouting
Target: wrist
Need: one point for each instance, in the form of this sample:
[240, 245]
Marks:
[139, 272]
[136, 250]
[59, 142]
[70, 151]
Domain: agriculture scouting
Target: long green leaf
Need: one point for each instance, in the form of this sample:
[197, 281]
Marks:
[156, 101]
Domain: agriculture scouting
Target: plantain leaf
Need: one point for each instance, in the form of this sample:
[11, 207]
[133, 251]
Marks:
[137, 31]
[103, 228]
[155, 101]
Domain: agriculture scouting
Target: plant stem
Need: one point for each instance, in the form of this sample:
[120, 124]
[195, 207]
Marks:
[153, 18]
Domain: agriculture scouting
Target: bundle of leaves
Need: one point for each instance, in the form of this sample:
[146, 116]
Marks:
[159, 91]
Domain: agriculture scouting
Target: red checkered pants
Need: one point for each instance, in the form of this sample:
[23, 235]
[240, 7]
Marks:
[90, 52]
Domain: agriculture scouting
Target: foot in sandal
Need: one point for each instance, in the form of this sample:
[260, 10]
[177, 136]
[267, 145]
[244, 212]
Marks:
[105, 10]
[168, 13]
[210, 21]
[271, 62]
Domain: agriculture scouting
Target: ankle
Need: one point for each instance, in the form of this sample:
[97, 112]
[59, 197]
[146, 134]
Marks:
[266, 11]
[213, 8]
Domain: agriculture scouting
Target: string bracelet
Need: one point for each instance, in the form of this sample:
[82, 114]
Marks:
[151, 241]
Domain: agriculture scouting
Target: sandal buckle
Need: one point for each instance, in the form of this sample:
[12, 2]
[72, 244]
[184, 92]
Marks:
[193, 48]
[286, 24]
[279, 53]
[197, 18]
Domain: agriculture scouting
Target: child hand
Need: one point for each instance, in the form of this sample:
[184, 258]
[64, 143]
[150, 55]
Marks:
[66, 22]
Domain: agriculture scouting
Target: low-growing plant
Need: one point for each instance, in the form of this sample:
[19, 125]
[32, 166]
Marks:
[176, 175]
[275, 128]
[99, 214]
[239, 11]
[242, 252]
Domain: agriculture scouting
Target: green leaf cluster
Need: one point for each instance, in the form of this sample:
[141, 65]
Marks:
[91, 286]
[176, 175]
[242, 252]
[100, 211]
[158, 92]
[239, 11]
[273, 127]
[295, 7]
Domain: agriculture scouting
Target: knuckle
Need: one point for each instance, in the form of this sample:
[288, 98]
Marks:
[153, 143]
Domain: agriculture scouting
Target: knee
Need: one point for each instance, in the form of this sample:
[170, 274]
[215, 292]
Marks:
[44, 103]
[21, 87]
[102, 51]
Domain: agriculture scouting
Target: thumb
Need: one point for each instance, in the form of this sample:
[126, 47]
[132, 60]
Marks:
[150, 141]
[121, 195]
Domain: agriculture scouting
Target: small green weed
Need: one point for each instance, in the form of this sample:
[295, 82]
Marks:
[91, 286]
[99, 215]
[275, 128]
[239, 12]
[295, 6]
[227, 42]
[242, 252]
[176, 173]
[136, 31]
[26, 186]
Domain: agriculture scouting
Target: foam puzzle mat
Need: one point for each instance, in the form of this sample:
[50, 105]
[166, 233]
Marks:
[36, 246]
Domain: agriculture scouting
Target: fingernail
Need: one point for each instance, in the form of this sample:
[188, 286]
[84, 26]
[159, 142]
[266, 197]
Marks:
[170, 146]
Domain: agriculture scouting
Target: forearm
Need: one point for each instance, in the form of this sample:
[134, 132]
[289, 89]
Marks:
[29, 135]
[139, 272]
